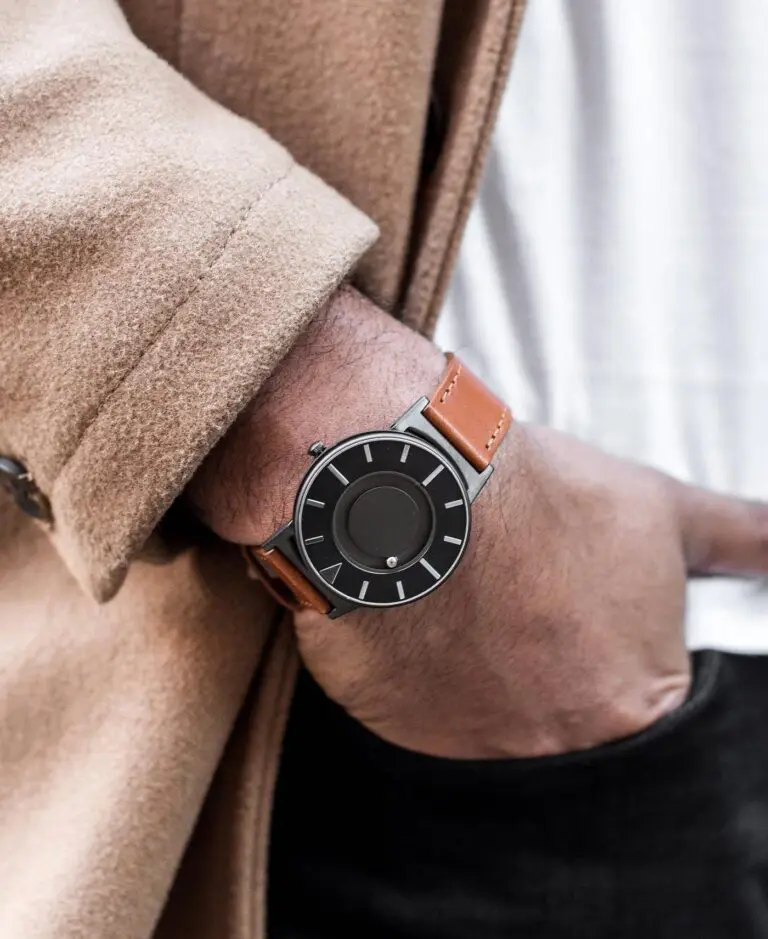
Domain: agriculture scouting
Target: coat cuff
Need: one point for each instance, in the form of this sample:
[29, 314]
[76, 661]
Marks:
[279, 266]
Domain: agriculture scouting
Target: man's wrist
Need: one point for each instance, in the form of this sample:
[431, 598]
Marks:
[355, 368]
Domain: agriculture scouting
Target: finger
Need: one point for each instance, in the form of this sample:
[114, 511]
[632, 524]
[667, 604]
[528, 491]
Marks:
[722, 534]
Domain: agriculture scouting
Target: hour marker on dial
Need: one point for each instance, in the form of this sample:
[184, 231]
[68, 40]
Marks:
[404, 454]
[363, 591]
[338, 474]
[425, 564]
[368, 457]
[454, 504]
[400, 591]
[435, 472]
[332, 572]
[317, 503]
[315, 539]
[449, 538]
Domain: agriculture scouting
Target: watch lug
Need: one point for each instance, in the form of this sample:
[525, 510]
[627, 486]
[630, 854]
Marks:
[476, 486]
[404, 422]
[284, 539]
[280, 538]
[413, 421]
[341, 607]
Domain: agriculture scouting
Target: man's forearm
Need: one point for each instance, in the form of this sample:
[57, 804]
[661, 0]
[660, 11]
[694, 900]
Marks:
[561, 629]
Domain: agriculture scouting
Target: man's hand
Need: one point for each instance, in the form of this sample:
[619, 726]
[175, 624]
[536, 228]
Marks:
[563, 626]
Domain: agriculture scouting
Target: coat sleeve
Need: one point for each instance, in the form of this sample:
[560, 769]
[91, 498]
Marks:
[158, 257]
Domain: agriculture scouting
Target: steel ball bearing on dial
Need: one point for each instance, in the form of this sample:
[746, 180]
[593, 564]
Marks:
[382, 518]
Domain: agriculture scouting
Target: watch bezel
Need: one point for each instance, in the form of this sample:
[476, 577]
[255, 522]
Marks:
[322, 462]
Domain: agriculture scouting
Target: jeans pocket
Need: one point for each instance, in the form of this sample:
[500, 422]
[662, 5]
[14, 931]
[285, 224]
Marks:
[662, 732]
[443, 773]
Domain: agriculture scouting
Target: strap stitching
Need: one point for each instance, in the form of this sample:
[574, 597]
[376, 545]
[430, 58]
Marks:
[497, 431]
[451, 385]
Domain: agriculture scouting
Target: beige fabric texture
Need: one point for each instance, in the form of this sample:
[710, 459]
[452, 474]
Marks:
[157, 258]
[163, 240]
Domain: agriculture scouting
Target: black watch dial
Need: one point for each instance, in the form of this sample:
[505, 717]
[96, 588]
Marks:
[382, 518]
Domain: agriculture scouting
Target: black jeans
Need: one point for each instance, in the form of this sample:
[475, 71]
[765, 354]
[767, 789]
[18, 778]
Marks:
[661, 835]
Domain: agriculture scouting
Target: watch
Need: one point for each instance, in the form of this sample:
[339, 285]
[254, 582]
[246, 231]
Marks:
[383, 518]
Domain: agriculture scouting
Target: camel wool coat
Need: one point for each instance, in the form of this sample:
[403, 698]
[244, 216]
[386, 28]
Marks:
[183, 184]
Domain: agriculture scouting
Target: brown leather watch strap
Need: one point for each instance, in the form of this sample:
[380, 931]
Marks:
[283, 580]
[470, 416]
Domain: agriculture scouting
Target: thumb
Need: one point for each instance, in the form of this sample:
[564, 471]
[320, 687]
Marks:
[722, 534]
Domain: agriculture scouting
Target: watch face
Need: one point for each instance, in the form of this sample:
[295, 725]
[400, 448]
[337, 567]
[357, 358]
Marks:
[382, 518]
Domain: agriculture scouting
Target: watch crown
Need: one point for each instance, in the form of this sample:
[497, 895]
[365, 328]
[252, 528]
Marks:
[317, 448]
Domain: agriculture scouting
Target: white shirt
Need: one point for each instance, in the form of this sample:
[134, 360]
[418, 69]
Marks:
[613, 279]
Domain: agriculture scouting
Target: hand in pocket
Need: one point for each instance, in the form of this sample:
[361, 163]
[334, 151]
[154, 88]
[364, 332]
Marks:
[562, 630]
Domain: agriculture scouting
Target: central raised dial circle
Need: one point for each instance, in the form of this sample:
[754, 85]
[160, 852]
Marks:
[382, 516]
[384, 522]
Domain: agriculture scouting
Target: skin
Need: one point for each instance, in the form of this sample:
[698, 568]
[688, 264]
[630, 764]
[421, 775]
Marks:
[563, 626]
